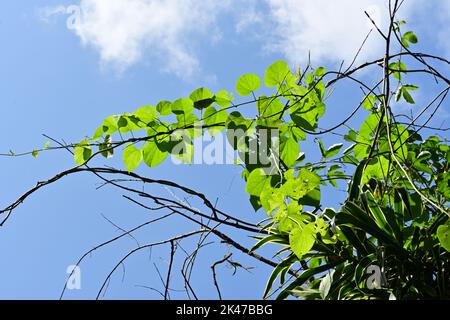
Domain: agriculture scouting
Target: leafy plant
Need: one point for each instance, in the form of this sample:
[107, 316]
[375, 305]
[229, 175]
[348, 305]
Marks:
[395, 214]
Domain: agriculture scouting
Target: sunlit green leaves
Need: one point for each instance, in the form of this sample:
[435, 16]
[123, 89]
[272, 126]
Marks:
[224, 99]
[182, 106]
[106, 147]
[366, 131]
[152, 154]
[164, 108]
[409, 37]
[399, 138]
[127, 122]
[382, 213]
[320, 72]
[290, 150]
[247, 84]
[82, 152]
[269, 107]
[397, 68]
[277, 73]
[202, 98]
[132, 157]
[271, 198]
[298, 187]
[302, 239]
[369, 102]
[145, 115]
[257, 181]
[214, 120]
[403, 91]
[307, 116]
[110, 125]
[377, 168]
[331, 151]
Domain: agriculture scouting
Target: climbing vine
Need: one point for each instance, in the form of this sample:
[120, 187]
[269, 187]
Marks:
[395, 216]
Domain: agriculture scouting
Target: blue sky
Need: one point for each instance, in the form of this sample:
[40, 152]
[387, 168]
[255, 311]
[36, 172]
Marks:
[62, 80]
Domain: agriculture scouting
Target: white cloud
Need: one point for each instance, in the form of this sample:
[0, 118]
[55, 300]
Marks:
[122, 31]
[331, 30]
[334, 30]
[168, 31]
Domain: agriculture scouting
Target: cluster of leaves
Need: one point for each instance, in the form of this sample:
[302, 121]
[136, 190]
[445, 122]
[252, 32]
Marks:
[395, 215]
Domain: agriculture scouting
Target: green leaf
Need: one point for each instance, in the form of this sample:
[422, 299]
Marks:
[397, 68]
[110, 125]
[273, 238]
[271, 198]
[304, 277]
[290, 150]
[369, 102]
[298, 187]
[277, 73]
[82, 152]
[377, 213]
[319, 72]
[164, 108]
[302, 240]
[123, 124]
[255, 202]
[407, 96]
[106, 147]
[355, 183]
[257, 181]
[247, 84]
[409, 37]
[146, 114]
[350, 136]
[377, 168]
[35, 153]
[201, 94]
[202, 98]
[152, 154]
[443, 233]
[213, 117]
[269, 107]
[366, 131]
[132, 157]
[98, 133]
[410, 87]
[321, 147]
[182, 106]
[276, 271]
[223, 99]
[312, 198]
[307, 116]
[309, 79]
[331, 151]
[355, 217]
